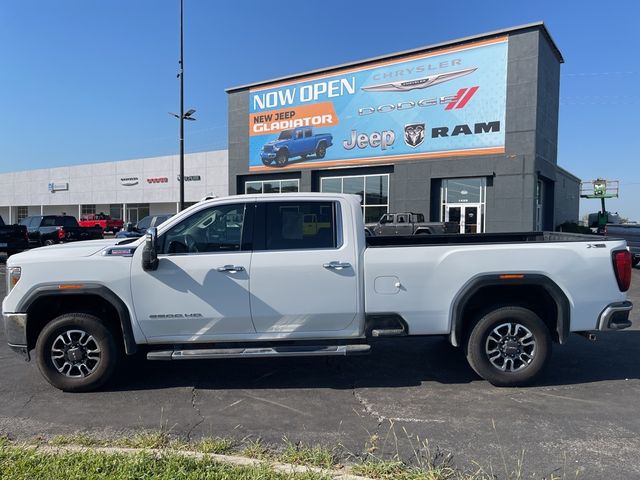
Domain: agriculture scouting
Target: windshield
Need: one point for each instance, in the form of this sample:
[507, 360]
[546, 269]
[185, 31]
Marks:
[285, 135]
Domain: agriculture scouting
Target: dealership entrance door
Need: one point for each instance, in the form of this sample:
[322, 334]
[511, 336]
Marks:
[463, 203]
[468, 217]
[137, 211]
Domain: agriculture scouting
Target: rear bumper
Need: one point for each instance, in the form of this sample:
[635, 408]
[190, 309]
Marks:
[15, 330]
[615, 316]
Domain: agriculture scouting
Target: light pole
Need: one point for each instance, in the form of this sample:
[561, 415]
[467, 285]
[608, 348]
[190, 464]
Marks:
[182, 116]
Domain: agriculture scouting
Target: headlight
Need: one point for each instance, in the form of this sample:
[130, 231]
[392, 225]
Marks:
[13, 275]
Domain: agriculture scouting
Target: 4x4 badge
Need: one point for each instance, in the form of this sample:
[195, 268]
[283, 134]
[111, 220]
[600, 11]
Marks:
[414, 134]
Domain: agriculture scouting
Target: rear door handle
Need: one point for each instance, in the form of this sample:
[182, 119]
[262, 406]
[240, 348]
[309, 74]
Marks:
[231, 268]
[337, 265]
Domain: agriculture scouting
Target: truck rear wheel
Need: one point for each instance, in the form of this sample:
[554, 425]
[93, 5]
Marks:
[509, 346]
[76, 352]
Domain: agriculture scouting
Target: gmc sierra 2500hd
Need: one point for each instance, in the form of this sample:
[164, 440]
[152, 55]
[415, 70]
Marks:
[294, 275]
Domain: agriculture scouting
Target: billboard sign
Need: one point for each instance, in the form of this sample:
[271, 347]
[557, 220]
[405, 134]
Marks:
[443, 103]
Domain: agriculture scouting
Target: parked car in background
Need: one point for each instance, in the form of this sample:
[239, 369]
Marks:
[405, 223]
[52, 229]
[295, 142]
[105, 222]
[629, 232]
[137, 230]
[13, 238]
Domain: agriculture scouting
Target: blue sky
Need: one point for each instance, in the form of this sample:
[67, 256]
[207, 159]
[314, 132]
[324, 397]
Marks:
[88, 81]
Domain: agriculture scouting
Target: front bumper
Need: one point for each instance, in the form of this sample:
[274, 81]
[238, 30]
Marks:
[15, 329]
[267, 155]
[615, 316]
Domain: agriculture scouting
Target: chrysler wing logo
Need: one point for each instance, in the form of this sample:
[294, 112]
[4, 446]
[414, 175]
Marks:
[424, 82]
[414, 134]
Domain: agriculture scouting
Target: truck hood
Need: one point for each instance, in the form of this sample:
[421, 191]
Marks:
[64, 250]
[275, 143]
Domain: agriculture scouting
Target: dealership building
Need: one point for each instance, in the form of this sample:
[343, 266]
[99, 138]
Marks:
[464, 131]
[128, 190]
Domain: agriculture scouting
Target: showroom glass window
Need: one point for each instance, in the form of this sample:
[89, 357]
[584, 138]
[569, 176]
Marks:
[23, 212]
[87, 210]
[272, 186]
[214, 229]
[373, 191]
[115, 211]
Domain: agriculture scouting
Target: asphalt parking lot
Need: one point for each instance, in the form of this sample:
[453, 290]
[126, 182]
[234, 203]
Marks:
[583, 416]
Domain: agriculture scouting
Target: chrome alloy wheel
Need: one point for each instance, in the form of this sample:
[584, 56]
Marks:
[510, 347]
[75, 353]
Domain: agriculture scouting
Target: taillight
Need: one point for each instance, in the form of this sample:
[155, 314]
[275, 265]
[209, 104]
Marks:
[61, 233]
[622, 268]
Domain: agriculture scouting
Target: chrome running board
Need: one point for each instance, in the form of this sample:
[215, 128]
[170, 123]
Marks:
[284, 351]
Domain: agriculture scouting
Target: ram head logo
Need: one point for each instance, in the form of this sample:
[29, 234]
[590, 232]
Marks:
[414, 134]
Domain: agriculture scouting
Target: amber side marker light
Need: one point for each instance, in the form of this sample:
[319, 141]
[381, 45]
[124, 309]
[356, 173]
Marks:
[69, 287]
[511, 276]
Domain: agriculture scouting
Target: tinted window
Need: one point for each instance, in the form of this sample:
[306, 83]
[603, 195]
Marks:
[160, 219]
[68, 222]
[49, 222]
[307, 132]
[299, 134]
[300, 225]
[215, 229]
[26, 221]
[144, 223]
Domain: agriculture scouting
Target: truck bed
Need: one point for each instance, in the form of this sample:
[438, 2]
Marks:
[481, 238]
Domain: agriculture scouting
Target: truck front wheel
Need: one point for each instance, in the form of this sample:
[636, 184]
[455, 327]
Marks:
[282, 157]
[321, 151]
[509, 346]
[76, 352]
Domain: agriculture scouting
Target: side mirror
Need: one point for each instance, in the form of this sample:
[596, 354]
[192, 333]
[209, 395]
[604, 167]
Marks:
[129, 227]
[149, 253]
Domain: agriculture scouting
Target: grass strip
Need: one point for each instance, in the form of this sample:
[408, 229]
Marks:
[29, 462]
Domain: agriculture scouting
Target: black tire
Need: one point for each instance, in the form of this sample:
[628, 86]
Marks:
[282, 157]
[635, 261]
[48, 242]
[266, 161]
[75, 379]
[321, 151]
[518, 372]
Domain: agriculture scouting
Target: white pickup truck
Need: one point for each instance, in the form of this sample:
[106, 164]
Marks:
[294, 275]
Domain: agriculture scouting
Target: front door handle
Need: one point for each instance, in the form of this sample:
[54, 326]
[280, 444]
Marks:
[231, 268]
[337, 265]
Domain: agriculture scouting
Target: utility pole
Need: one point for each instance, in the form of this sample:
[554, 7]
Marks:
[182, 116]
[181, 105]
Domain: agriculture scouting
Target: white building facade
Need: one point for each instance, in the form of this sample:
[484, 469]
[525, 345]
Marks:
[127, 190]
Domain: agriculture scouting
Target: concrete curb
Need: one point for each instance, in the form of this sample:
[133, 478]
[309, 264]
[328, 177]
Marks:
[235, 460]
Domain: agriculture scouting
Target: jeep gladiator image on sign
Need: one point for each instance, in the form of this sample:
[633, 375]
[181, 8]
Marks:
[441, 103]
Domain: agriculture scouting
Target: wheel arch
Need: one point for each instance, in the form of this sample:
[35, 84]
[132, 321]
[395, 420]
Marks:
[520, 287]
[86, 299]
